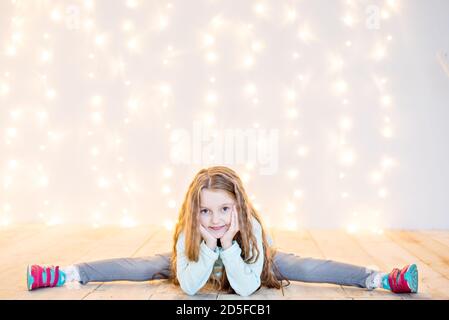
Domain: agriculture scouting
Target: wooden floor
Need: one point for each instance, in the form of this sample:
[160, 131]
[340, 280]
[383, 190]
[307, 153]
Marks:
[64, 245]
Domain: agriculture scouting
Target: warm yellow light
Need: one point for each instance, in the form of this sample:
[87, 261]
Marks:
[163, 22]
[132, 3]
[347, 157]
[290, 207]
[208, 40]
[387, 132]
[211, 56]
[5, 221]
[43, 181]
[17, 37]
[97, 117]
[166, 189]
[387, 163]
[376, 176]
[290, 14]
[352, 228]
[89, 4]
[16, 114]
[133, 104]
[250, 89]
[298, 193]
[4, 89]
[128, 26]
[248, 61]
[103, 183]
[340, 87]
[292, 174]
[305, 34]
[303, 151]
[171, 203]
[12, 164]
[167, 172]
[133, 44]
[292, 112]
[94, 151]
[257, 46]
[100, 40]
[260, 8]
[382, 192]
[45, 56]
[54, 220]
[348, 20]
[169, 224]
[379, 52]
[165, 89]
[290, 95]
[211, 98]
[128, 221]
[11, 132]
[386, 100]
[11, 50]
[345, 123]
[55, 15]
[217, 22]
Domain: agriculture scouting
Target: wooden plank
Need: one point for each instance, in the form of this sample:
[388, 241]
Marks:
[437, 253]
[72, 244]
[390, 255]
[440, 236]
[37, 249]
[301, 243]
[63, 245]
[337, 246]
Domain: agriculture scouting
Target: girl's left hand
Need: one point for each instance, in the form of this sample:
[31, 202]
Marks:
[226, 239]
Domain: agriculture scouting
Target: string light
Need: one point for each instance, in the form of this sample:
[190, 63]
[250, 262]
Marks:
[4, 89]
[210, 38]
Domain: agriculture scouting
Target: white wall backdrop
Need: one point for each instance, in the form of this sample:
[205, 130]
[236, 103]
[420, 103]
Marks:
[334, 113]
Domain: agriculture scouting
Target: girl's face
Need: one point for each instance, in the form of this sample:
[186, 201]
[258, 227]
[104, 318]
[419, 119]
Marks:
[215, 211]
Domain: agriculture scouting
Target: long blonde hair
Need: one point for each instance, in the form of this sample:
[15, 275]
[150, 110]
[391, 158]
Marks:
[223, 178]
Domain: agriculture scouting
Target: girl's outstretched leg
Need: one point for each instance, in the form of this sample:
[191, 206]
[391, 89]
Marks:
[293, 267]
[128, 269]
[296, 268]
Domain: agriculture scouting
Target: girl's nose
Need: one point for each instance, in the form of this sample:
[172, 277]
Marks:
[215, 218]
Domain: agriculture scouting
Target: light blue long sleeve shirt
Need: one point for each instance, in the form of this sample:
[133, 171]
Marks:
[243, 277]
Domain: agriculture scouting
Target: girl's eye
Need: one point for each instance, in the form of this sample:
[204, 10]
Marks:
[226, 208]
[204, 211]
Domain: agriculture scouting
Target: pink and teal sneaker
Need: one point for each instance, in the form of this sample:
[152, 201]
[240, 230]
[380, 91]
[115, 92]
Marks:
[44, 276]
[402, 281]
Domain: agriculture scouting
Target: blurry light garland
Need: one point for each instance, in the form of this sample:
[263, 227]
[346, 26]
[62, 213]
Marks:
[134, 45]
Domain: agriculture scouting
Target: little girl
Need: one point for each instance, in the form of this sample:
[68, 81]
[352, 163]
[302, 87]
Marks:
[219, 239]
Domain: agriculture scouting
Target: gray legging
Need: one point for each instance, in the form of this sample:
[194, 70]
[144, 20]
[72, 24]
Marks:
[289, 265]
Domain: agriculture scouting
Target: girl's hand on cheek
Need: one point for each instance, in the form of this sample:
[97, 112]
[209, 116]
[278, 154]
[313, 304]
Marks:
[226, 239]
[210, 240]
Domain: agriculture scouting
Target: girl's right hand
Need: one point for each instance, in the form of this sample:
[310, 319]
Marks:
[210, 240]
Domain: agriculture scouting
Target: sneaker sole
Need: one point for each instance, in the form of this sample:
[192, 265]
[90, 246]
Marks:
[412, 277]
[29, 283]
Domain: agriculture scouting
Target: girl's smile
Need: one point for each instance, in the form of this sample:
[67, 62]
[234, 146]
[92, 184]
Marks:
[216, 228]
